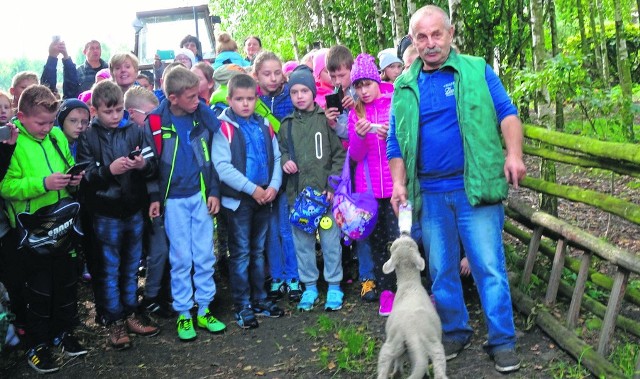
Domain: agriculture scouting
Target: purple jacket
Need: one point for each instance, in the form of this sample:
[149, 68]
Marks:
[371, 147]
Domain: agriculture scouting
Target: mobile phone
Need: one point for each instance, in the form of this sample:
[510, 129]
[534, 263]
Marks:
[55, 38]
[134, 153]
[166, 55]
[374, 128]
[334, 101]
[77, 168]
[5, 132]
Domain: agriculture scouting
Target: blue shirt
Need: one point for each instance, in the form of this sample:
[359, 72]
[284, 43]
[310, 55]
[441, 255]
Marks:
[440, 150]
[185, 179]
[257, 169]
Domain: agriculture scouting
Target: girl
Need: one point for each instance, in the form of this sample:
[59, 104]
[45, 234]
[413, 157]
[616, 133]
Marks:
[204, 71]
[6, 112]
[368, 126]
[274, 93]
[252, 46]
[227, 50]
[390, 67]
[324, 85]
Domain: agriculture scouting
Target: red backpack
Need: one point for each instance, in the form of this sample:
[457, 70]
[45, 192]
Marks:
[155, 123]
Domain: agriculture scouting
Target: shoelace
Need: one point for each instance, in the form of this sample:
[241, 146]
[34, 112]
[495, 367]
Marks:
[367, 285]
[185, 324]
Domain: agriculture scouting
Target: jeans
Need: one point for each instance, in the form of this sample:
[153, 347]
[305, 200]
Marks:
[189, 228]
[448, 220]
[157, 256]
[280, 250]
[119, 243]
[247, 227]
[365, 260]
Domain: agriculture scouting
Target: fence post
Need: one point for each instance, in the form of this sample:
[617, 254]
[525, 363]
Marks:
[556, 272]
[613, 308]
[578, 291]
[534, 244]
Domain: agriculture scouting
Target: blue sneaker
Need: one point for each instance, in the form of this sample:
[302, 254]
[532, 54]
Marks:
[277, 289]
[246, 319]
[334, 300]
[309, 299]
[267, 308]
[294, 290]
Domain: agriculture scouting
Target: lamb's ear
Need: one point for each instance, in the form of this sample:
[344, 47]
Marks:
[388, 266]
[419, 262]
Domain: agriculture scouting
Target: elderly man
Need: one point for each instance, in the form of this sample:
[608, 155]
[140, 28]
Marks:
[93, 63]
[446, 158]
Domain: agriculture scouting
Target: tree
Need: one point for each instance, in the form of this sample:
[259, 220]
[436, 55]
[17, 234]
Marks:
[624, 73]
[603, 45]
[458, 22]
[595, 37]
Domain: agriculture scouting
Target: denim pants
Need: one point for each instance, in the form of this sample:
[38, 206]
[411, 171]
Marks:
[280, 250]
[189, 228]
[247, 227]
[119, 242]
[157, 256]
[448, 220]
[305, 244]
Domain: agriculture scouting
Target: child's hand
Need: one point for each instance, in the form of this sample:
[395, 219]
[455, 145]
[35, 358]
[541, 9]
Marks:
[213, 205]
[154, 209]
[138, 162]
[270, 195]
[348, 102]
[56, 181]
[363, 126]
[119, 166]
[328, 195]
[14, 134]
[290, 167]
[382, 131]
[76, 179]
[332, 115]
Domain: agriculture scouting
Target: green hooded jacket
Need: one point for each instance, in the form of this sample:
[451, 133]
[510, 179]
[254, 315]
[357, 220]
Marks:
[484, 179]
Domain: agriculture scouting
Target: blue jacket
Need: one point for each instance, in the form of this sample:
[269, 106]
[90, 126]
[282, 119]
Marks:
[87, 74]
[70, 84]
[226, 57]
[205, 124]
[280, 104]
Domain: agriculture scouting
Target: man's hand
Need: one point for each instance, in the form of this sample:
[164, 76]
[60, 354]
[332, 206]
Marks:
[54, 49]
[154, 209]
[213, 205]
[258, 195]
[62, 48]
[514, 170]
[270, 195]
[398, 196]
[57, 181]
[290, 167]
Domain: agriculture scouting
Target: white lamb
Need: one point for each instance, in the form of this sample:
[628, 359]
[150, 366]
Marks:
[413, 328]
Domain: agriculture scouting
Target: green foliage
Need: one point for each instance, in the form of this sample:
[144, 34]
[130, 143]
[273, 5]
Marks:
[625, 356]
[9, 68]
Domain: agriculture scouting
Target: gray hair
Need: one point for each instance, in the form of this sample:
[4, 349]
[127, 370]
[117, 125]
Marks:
[428, 10]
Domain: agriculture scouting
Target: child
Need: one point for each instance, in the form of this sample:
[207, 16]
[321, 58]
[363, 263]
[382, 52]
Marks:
[190, 195]
[6, 111]
[390, 66]
[409, 55]
[186, 57]
[281, 252]
[139, 102]
[124, 69]
[221, 76]
[144, 81]
[318, 153]
[339, 62]
[248, 162]
[115, 189]
[73, 118]
[227, 50]
[205, 74]
[368, 125]
[20, 82]
[34, 180]
[324, 85]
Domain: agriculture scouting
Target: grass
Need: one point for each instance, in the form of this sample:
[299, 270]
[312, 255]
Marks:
[344, 347]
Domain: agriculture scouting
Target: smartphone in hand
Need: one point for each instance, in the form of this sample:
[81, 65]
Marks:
[134, 153]
[77, 168]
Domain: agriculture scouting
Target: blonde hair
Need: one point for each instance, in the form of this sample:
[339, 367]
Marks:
[119, 58]
[37, 98]
[262, 57]
[137, 96]
[178, 80]
[225, 43]
[24, 75]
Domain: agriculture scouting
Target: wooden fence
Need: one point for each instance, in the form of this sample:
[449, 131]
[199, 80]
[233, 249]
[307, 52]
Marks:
[549, 236]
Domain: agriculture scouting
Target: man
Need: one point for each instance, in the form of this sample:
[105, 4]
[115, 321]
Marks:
[446, 158]
[93, 63]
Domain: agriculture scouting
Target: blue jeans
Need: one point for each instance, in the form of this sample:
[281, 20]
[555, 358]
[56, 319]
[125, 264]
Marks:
[119, 242]
[247, 227]
[448, 219]
[280, 250]
[365, 260]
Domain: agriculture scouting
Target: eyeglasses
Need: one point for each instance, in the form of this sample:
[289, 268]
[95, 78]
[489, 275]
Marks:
[140, 111]
[76, 121]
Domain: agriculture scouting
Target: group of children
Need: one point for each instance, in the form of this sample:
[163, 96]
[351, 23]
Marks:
[161, 166]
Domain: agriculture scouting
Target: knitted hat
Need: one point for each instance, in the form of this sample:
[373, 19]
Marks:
[302, 75]
[187, 53]
[225, 72]
[319, 62]
[364, 67]
[289, 66]
[67, 106]
[104, 74]
[388, 57]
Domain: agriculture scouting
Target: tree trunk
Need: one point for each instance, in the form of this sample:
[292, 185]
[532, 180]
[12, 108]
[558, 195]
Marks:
[523, 106]
[411, 9]
[296, 48]
[603, 45]
[361, 38]
[380, 40]
[595, 38]
[624, 75]
[555, 51]
[539, 56]
[455, 8]
[399, 29]
[583, 36]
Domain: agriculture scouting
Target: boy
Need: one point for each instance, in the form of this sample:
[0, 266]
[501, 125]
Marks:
[20, 82]
[318, 153]
[35, 179]
[139, 102]
[248, 162]
[339, 62]
[189, 190]
[116, 186]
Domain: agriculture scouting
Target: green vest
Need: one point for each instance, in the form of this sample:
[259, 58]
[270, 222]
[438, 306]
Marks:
[484, 179]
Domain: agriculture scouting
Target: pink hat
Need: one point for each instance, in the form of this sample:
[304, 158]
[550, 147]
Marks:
[364, 67]
[289, 66]
[319, 62]
[104, 74]
[85, 96]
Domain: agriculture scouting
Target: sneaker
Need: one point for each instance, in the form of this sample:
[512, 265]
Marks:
[118, 337]
[141, 325]
[267, 309]
[453, 348]
[368, 292]
[294, 290]
[334, 300]
[40, 359]
[186, 332]
[149, 305]
[246, 319]
[69, 345]
[211, 323]
[506, 361]
[277, 289]
[308, 300]
[386, 303]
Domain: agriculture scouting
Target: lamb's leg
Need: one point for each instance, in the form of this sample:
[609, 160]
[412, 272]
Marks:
[436, 352]
[388, 355]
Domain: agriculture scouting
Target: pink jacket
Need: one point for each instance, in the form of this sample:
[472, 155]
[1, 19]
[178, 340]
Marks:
[371, 147]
